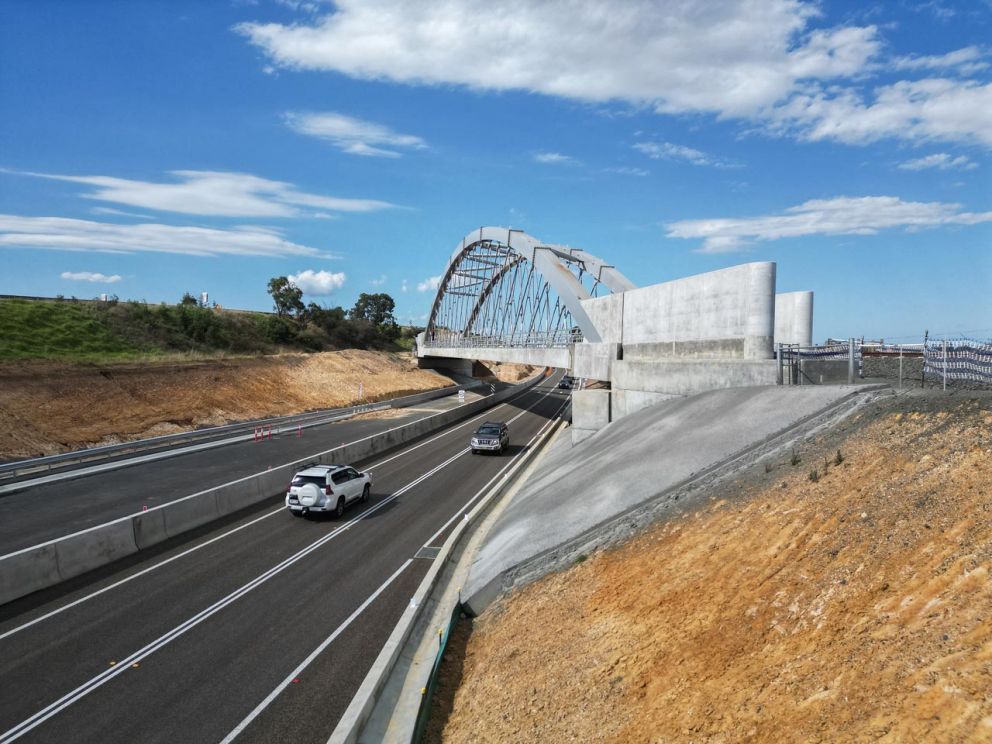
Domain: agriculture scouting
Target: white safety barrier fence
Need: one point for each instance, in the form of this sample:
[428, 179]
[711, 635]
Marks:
[958, 359]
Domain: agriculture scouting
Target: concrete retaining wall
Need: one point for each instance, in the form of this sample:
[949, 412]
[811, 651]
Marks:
[731, 310]
[794, 318]
[691, 376]
[590, 412]
[31, 569]
[594, 361]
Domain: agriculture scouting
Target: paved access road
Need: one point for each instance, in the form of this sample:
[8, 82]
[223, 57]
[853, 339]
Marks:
[210, 641]
[51, 510]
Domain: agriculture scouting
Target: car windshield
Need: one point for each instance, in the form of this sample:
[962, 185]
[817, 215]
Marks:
[489, 430]
[315, 479]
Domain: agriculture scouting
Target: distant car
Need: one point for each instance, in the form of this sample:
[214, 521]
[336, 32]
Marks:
[565, 383]
[492, 436]
[327, 488]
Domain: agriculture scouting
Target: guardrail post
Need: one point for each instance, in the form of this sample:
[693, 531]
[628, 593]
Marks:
[900, 366]
[778, 354]
[850, 361]
[944, 345]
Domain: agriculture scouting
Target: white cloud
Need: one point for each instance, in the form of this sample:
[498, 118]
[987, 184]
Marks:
[940, 161]
[725, 56]
[627, 171]
[119, 213]
[935, 109]
[380, 281]
[60, 233]
[554, 158]
[214, 193]
[351, 135]
[764, 62]
[90, 276]
[864, 215]
[967, 60]
[681, 153]
[430, 284]
[318, 283]
[404, 287]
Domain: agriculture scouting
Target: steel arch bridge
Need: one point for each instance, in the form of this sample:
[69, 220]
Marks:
[505, 289]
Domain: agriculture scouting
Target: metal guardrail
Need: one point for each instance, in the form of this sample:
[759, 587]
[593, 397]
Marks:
[20, 467]
[554, 340]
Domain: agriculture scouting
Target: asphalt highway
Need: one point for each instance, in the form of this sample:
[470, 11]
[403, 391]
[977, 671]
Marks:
[258, 631]
[50, 510]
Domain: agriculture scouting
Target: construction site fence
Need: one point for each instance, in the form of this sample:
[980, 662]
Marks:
[958, 359]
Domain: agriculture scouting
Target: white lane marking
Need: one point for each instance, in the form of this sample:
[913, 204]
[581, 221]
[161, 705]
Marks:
[123, 665]
[327, 642]
[238, 480]
[453, 429]
[141, 459]
[116, 584]
[313, 655]
[465, 507]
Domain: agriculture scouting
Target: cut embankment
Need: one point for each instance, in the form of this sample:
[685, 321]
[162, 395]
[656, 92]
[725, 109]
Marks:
[816, 597]
[51, 407]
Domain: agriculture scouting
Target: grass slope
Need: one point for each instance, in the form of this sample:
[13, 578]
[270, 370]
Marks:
[59, 330]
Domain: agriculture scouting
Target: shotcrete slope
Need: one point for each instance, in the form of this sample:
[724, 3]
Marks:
[628, 463]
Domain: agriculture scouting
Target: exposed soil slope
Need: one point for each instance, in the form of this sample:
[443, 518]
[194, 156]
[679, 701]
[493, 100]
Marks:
[48, 407]
[854, 608]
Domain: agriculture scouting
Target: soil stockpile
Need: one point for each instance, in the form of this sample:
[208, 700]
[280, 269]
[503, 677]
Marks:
[50, 407]
[853, 605]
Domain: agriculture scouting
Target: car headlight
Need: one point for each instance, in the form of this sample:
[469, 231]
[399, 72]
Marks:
[474, 440]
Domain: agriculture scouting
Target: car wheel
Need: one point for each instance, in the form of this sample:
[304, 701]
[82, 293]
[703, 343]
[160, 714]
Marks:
[474, 452]
[366, 492]
[339, 509]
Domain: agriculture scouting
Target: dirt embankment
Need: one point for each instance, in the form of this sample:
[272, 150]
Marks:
[505, 372]
[855, 607]
[49, 407]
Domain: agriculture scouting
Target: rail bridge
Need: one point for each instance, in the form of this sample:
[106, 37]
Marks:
[506, 296]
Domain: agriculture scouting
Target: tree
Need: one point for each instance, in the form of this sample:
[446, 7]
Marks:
[286, 296]
[189, 299]
[377, 309]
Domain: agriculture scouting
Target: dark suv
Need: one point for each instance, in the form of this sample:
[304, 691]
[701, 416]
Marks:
[492, 436]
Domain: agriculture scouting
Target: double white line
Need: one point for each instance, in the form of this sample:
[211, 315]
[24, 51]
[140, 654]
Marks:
[123, 665]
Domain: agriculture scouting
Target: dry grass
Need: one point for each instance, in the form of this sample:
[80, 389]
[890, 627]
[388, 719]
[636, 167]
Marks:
[854, 608]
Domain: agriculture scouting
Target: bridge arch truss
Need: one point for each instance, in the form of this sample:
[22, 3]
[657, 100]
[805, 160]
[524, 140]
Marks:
[504, 288]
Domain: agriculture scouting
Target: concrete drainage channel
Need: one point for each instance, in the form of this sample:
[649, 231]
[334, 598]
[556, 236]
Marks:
[394, 690]
[47, 564]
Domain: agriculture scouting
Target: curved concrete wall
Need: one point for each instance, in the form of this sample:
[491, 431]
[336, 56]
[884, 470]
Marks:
[794, 318]
[725, 313]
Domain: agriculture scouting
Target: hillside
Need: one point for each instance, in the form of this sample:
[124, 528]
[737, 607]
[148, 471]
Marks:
[72, 330]
[48, 407]
[852, 605]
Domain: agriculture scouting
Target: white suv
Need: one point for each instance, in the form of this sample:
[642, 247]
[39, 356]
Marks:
[327, 488]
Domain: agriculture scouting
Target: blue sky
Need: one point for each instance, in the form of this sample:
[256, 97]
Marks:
[150, 148]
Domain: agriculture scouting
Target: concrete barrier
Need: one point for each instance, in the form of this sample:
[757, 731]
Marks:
[149, 528]
[97, 547]
[28, 571]
[48, 564]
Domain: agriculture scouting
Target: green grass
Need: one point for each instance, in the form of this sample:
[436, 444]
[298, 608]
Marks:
[134, 331]
[59, 330]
